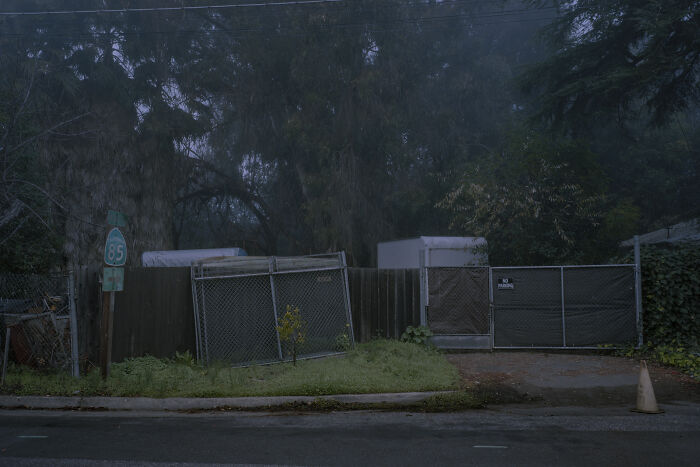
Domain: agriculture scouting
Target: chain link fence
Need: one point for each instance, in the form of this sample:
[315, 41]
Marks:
[38, 321]
[564, 306]
[239, 302]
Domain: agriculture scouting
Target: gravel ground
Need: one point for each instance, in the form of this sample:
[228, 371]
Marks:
[559, 379]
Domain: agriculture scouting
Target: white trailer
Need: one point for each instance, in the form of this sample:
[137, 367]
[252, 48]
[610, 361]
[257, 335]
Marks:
[414, 253]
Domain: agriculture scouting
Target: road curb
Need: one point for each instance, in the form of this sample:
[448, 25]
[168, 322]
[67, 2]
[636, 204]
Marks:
[187, 403]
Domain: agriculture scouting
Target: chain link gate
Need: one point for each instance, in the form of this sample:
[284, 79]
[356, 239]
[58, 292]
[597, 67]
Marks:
[38, 321]
[457, 306]
[238, 304]
[579, 307]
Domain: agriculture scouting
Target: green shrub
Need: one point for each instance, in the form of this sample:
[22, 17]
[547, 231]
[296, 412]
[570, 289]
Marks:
[416, 334]
[671, 295]
[342, 340]
[677, 357]
[292, 330]
[185, 358]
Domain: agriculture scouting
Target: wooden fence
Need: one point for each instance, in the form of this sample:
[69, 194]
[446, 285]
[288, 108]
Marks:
[154, 314]
[383, 301]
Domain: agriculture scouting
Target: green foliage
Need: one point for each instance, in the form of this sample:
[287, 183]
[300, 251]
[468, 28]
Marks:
[416, 334]
[682, 358]
[671, 295]
[292, 330]
[378, 366]
[678, 357]
[538, 202]
[613, 56]
[308, 135]
[342, 341]
[185, 358]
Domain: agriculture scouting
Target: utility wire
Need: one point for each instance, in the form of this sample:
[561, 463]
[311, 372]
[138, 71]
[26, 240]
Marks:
[242, 33]
[155, 9]
[425, 20]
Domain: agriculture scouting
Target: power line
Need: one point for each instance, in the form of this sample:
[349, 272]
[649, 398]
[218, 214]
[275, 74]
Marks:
[155, 9]
[530, 15]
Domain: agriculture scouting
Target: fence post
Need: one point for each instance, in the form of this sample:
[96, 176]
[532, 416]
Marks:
[204, 325]
[73, 325]
[195, 309]
[271, 268]
[492, 309]
[563, 317]
[8, 336]
[344, 263]
[423, 267]
[638, 290]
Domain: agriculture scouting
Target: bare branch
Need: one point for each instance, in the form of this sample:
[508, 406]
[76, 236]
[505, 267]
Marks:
[11, 213]
[14, 231]
[48, 130]
[44, 192]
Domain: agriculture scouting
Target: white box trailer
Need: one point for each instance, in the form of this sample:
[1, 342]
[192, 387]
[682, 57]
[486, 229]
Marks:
[414, 253]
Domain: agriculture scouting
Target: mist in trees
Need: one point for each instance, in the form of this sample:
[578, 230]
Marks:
[555, 130]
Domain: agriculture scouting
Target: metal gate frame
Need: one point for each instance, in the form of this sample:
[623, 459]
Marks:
[457, 340]
[198, 277]
[637, 304]
[424, 294]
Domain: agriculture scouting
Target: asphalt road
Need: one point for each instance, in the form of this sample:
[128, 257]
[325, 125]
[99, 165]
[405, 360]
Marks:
[506, 436]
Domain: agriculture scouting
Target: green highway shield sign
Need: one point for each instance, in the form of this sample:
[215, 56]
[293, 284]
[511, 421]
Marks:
[115, 248]
[113, 280]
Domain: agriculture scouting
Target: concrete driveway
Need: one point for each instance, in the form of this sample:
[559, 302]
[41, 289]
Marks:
[558, 379]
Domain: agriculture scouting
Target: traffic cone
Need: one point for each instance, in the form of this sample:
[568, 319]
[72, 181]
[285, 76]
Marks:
[646, 401]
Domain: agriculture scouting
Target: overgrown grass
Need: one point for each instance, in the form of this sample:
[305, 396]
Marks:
[377, 366]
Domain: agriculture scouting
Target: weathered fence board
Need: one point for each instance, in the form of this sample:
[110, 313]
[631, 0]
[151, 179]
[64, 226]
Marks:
[153, 315]
[88, 302]
[386, 301]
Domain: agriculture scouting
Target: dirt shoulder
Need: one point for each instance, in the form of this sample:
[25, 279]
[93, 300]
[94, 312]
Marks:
[558, 379]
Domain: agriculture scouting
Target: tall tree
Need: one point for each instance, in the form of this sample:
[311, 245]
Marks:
[616, 57]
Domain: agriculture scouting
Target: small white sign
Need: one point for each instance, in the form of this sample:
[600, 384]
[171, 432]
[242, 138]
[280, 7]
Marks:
[505, 283]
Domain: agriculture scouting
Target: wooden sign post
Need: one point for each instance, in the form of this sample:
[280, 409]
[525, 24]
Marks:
[112, 281]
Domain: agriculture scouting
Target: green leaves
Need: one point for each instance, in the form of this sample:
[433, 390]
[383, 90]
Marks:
[416, 334]
[539, 201]
[671, 295]
[613, 56]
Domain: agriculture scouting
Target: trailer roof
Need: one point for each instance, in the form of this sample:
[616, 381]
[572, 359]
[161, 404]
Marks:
[445, 242]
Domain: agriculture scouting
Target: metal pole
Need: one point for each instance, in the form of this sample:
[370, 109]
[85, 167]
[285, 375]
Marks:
[204, 327]
[563, 317]
[106, 328]
[638, 290]
[421, 281]
[492, 309]
[8, 335]
[347, 296]
[426, 265]
[274, 305]
[73, 325]
[195, 305]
